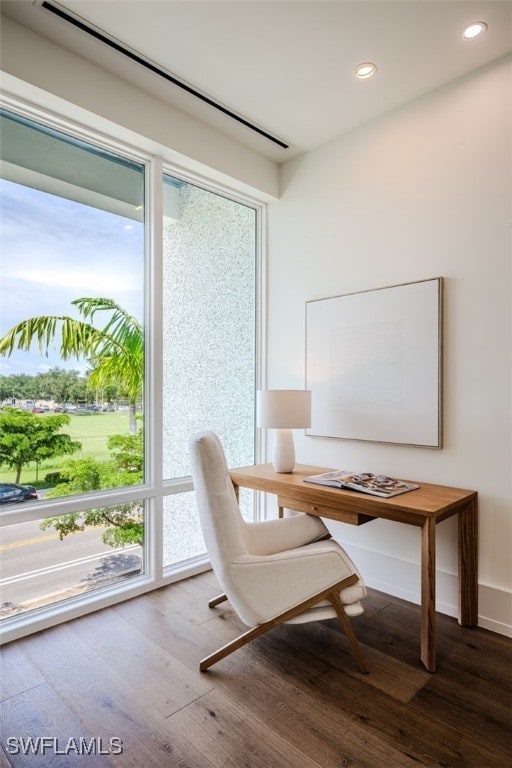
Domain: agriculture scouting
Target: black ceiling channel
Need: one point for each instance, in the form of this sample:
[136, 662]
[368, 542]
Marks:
[131, 55]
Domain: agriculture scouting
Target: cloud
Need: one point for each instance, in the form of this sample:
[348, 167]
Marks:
[55, 250]
[84, 278]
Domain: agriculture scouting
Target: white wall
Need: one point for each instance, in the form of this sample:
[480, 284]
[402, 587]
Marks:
[423, 192]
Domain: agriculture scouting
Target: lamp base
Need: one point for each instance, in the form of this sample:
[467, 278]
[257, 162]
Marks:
[284, 451]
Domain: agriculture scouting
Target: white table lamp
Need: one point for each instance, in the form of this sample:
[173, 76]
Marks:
[283, 410]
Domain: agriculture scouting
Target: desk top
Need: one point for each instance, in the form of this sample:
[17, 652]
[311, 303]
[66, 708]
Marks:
[438, 501]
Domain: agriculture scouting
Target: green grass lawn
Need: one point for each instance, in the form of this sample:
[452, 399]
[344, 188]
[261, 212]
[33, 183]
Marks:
[92, 430]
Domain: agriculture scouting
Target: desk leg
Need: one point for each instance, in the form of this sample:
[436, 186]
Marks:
[428, 594]
[468, 565]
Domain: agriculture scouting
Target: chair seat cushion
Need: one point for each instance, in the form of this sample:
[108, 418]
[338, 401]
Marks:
[324, 611]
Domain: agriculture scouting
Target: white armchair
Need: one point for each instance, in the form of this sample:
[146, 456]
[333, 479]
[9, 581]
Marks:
[272, 572]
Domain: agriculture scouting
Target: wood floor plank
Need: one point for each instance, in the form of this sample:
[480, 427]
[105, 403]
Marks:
[293, 697]
[4, 762]
[428, 739]
[189, 642]
[402, 681]
[138, 659]
[390, 675]
[102, 699]
[396, 631]
[484, 654]
[39, 713]
[17, 674]
[312, 724]
[187, 603]
[230, 734]
[470, 705]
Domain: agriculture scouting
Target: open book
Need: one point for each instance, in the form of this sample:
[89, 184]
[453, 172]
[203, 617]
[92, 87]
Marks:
[366, 482]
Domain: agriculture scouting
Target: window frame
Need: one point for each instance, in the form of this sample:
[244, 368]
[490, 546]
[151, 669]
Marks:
[154, 488]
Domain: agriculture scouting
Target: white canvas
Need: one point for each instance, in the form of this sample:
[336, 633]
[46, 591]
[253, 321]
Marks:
[373, 364]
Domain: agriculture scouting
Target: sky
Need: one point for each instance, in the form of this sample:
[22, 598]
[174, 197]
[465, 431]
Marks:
[54, 250]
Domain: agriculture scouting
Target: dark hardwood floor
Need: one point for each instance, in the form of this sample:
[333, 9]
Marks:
[291, 699]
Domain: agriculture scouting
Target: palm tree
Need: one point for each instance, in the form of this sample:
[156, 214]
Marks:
[115, 352]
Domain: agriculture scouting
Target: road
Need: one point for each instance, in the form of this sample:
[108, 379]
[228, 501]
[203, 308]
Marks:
[37, 568]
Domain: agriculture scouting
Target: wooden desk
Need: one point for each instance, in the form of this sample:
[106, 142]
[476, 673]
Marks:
[425, 507]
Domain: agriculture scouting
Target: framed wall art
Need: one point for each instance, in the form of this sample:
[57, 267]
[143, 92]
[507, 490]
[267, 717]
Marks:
[374, 364]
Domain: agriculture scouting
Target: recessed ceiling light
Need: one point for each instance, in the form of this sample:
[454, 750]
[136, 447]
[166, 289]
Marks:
[474, 30]
[366, 69]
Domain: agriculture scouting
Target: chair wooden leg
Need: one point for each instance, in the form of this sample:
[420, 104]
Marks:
[238, 642]
[334, 598]
[331, 593]
[216, 600]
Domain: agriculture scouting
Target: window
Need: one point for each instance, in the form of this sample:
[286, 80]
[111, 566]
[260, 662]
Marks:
[115, 513]
[209, 329]
[39, 570]
[72, 267]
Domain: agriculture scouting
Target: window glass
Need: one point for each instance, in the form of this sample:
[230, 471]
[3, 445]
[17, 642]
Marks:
[183, 539]
[40, 569]
[209, 343]
[71, 332]
[209, 323]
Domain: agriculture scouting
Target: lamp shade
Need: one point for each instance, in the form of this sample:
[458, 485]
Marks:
[283, 408]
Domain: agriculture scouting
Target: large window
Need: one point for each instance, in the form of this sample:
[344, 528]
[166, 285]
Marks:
[72, 362]
[94, 418]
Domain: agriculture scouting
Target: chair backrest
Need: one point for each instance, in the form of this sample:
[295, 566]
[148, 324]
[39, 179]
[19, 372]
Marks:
[219, 513]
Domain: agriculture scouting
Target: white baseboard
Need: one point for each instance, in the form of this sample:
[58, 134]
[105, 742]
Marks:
[495, 609]
[401, 578]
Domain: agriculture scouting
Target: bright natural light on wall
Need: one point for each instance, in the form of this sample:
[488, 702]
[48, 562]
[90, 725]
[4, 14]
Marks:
[474, 30]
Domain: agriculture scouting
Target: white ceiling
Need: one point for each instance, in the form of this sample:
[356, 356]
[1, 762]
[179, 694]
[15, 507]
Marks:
[287, 67]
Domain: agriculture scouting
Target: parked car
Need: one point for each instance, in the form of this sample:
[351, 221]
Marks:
[11, 493]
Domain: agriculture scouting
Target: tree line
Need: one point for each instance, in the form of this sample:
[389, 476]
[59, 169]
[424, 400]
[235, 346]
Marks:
[57, 384]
